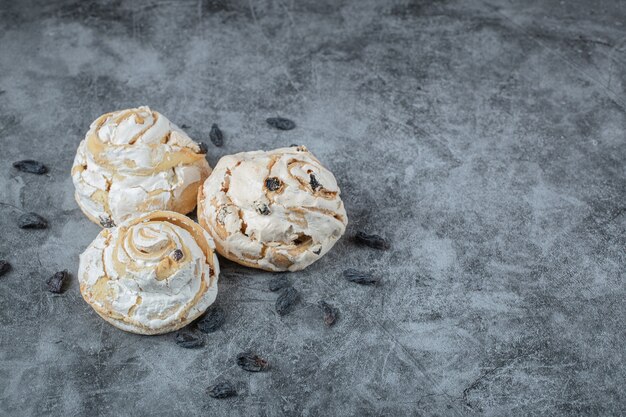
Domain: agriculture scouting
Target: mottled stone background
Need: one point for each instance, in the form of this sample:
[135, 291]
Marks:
[485, 139]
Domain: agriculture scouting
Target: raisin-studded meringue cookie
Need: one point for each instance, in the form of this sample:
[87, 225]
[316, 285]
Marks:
[278, 210]
[135, 161]
[153, 274]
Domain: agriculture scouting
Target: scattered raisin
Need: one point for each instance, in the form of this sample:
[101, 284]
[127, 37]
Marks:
[280, 123]
[318, 251]
[263, 209]
[279, 282]
[33, 167]
[32, 221]
[204, 149]
[56, 281]
[222, 390]
[184, 126]
[188, 339]
[251, 362]
[360, 277]
[177, 255]
[286, 301]
[216, 135]
[106, 221]
[212, 320]
[5, 267]
[330, 312]
[294, 145]
[272, 183]
[314, 184]
[373, 241]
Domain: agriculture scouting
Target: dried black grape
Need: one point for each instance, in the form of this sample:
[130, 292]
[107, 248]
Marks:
[314, 184]
[251, 362]
[5, 267]
[189, 339]
[216, 135]
[360, 277]
[32, 221]
[177, 255]
[318, 251]
[106, 221]
[286, 301]
[272, 183]
[203, 148]
[184, 126]
[33, 167]
[279, 282]
[373, 241]
[263, 209]
[212, 320]
[56, 281]
[280, 123]
[222, 390]
[330, 312]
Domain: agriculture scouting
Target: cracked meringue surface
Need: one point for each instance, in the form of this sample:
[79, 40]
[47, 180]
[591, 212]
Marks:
[151, 275]
[278, 210]
[134, 161]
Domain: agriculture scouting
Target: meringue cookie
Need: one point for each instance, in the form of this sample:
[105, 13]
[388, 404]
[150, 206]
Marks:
[151, 275]
[278, 210]
[135, 161]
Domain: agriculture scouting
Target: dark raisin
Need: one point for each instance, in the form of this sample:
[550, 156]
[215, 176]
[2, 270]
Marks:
[33, 167]
[188, 339]
[106, 221]
[32, 221]
[5, 267]
[314, 184]
[204, 149]
[184, 126]
[318, 251]
[279, 282]
[56, 281]
[360, 277]
[294, 145]
[330, 312]
[216, 135]
[373, 241]
[212, 320]
[251, 362]
[286, 301]
[222, 390]
[177, 255]
[280, 123]
[272, 183]
[263, 209]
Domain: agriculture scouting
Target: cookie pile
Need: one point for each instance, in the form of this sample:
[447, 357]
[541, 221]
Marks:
[153, 270]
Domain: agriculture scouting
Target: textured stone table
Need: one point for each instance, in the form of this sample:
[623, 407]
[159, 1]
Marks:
[485, 139]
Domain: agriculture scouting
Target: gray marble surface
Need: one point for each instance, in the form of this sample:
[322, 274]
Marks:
[485, 139]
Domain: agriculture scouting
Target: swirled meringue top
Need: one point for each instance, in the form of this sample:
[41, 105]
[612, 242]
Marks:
[135, 161]
[151, 275]
[278, 210]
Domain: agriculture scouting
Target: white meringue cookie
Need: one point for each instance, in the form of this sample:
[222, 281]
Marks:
[278, 210]
[135, 161]
[135, 277]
